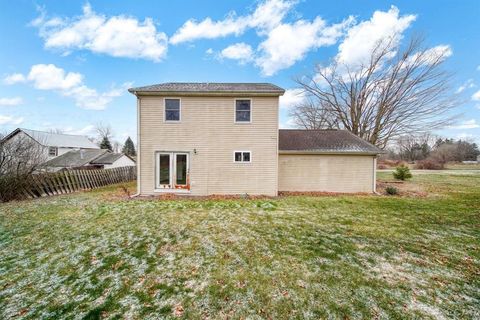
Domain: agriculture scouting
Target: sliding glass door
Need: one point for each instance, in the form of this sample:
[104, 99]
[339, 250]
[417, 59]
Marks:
[172, 170]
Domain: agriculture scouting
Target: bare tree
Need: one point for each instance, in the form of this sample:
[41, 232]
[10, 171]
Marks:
[103, 131]
[415, 147]
[20, 156]
[56, 130]
[397, 91]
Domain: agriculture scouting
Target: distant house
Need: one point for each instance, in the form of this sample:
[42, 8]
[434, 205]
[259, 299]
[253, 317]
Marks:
[52, 144]
[223, 138]
[88, 159]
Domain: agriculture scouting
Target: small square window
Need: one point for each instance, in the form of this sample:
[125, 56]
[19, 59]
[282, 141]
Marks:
[172, 109]
[242, 111]
[53, 151]
[242, 156]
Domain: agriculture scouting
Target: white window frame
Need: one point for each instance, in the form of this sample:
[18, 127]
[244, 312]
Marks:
[53, 148]
[242, 152]
[172, 176]
[235, 111]
[165, 110]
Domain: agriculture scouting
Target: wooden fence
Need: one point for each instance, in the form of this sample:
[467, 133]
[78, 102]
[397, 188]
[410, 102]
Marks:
[49, 184]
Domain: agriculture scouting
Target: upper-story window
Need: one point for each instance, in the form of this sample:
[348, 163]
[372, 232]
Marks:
[243, 110]
[52, 151]
[172, 109]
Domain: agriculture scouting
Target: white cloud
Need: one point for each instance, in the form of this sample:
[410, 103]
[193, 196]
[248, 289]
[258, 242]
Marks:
[288, 43]
[70, 84]
[267, 15]
[465, 136]
[467, 124]
[117, 36]
[15, 101]
[14, 78]
[363, 37]
[291, 98]
[10, 120]
[466, 85]
[476, 96]
[209, 51]
[238, 51]
[50, 77]
[88, 130]
[289, 124]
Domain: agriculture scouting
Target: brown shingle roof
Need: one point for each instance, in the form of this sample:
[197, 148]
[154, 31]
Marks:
[210, 87]
[324, 141]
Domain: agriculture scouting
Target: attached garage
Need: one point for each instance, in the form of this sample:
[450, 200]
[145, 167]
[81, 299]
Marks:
[325, 161]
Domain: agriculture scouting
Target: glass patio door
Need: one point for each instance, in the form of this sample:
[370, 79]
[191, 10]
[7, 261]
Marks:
[172, 170]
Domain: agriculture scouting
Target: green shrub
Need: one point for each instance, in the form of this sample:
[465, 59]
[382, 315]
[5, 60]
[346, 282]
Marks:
[391, 190]
[402, 173]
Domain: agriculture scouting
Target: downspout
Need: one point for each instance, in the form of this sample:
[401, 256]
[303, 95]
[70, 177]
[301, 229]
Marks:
[375, 175]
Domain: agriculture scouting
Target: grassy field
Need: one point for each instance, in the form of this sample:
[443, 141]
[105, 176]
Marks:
[98, 255]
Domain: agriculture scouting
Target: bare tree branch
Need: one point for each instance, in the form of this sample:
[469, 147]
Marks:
[397, 92]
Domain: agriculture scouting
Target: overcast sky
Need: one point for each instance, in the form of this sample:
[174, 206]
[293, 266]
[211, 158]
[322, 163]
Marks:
[67, 64]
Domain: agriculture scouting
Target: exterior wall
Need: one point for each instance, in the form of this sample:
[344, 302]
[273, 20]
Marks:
[123, 161]
[330, 173]
[21, 136]
[207, 126]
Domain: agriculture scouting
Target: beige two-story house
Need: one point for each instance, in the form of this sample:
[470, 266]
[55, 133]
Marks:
[223, 138]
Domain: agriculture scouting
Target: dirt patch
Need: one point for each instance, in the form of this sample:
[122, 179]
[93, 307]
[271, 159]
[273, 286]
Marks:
[405, 188]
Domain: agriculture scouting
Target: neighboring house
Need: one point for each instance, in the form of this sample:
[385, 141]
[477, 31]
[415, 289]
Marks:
[223, 138]
[52, 144]
[88, 159]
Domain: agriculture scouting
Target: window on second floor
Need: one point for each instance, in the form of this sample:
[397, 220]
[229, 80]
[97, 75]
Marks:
[52, 151]
[243, 110]
[172, 110]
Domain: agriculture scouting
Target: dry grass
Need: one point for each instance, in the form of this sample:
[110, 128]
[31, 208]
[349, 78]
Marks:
[100, 254]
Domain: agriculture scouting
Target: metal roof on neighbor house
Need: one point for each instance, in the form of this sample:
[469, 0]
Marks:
[210, 87]
[75, 158]
[324, 141]
[58, 139]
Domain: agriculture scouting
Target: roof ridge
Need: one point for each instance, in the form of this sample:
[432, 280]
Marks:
[62, 134]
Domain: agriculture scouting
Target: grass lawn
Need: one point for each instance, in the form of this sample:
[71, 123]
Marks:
[97, 255]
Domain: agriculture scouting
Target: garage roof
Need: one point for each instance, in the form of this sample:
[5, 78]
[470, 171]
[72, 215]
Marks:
[324, 141]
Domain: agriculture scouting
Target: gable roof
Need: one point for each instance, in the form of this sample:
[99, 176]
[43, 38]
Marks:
[56, 139]
[75, 158]
[219, 88]
[107, 158]
[324, 141]
[79, 158]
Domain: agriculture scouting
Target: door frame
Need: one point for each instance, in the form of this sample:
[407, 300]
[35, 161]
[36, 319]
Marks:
[172, 187]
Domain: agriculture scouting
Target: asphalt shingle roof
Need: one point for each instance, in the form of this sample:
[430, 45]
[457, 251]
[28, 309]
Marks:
[209, 87]
[60, 140]
[334, 141]
[107, 158]
[75, 158]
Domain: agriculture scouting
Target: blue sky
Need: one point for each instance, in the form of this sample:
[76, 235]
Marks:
[67, 64]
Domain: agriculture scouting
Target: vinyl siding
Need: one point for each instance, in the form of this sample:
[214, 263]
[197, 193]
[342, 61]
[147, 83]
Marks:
[330, 173]
[207, 125]
[123, 161]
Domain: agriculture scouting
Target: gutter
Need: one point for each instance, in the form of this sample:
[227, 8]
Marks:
[208, 93]
[306, 152]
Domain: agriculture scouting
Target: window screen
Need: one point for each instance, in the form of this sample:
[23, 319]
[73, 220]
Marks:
[242, 111]
[172, 109]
